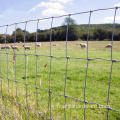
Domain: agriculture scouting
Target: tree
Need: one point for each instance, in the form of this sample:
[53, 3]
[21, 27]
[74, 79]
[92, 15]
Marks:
[70, 21]
[19, 36]
[2, 39]
[18, 29]
[73, 29]
[100, 34]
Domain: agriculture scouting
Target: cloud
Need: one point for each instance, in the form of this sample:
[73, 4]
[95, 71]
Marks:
[110, 19]
[63, 1]
[117, 5]
[52, 11]
[0, 16]
[54, 5]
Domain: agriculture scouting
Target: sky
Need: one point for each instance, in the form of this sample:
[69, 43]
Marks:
[15, 11]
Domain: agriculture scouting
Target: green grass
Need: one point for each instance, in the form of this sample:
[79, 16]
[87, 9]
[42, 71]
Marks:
[98, 76]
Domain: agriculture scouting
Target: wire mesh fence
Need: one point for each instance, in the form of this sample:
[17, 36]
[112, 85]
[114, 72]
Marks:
[23, 96]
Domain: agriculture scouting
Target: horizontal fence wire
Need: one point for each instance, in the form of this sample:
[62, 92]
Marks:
[49, 90]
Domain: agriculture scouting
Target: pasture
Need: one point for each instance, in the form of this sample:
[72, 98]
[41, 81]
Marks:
[21, 73]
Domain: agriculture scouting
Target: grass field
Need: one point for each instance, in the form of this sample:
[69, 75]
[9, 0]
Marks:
[97, 81]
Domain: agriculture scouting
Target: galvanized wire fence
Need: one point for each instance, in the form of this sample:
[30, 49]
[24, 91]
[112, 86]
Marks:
[7, 102]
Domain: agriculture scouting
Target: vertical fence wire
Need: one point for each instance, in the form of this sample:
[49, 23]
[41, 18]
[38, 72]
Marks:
[36, 38]
[67, 33]
[65, 88]
[25, 35]
[113, 34]
[85, 91]
[51, 34]
[109, 91]
[5, 37]
[88, 32]
[49, 102]
[87, 67]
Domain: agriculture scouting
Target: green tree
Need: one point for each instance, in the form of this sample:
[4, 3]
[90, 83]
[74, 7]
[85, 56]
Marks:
[18, 29]
[73, 29]
[31, 37]
[100, 34]
[19, 36]
[2, 39]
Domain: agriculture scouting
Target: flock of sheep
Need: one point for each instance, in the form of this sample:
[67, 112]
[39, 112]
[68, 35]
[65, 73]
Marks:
[17, 48]
[83, 45]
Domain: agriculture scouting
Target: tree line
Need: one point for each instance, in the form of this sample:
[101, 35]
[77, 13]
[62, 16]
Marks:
[97, 32]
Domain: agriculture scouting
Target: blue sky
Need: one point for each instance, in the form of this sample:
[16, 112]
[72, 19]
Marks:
[13, 11]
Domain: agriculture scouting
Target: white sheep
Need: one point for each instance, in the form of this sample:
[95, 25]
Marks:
[108, 46]
[26, 47]
[38, 44]
[5, 47]
[14, 47]
[83, 45]
[55, 45]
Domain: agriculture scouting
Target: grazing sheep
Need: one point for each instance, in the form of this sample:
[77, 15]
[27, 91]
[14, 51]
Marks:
[14, 47]
[2, 47]
[26, 47]
[83, 45]
[38, 44]
[108, 46]
[55, 45]
[5, 47]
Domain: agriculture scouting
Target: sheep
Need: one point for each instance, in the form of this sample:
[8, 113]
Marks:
[83, 45]
[14, 47]
[26, 47]
[5, 47]
[38, 44]
[108, 46]
[55, 45]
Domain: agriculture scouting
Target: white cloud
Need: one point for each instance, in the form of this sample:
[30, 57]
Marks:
[0, 16]
[110, 19]
[54, 5]
[52, 11]
[117, 5]
[63, 1]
